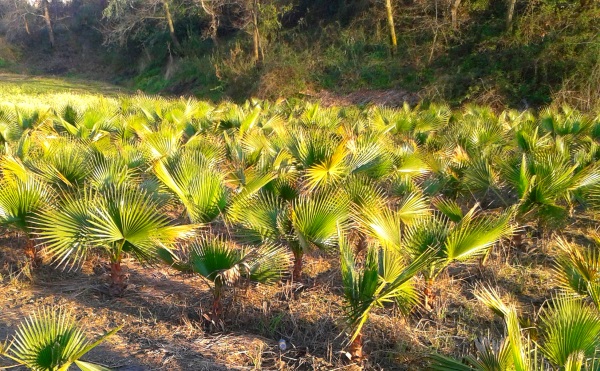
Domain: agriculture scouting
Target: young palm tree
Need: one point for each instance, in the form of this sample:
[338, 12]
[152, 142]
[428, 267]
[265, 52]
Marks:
[314, 223]
[383, 278]
[52, 340]
[224, 264]
[119, 220]
[578, 268]
[456, 237]
[20, 203]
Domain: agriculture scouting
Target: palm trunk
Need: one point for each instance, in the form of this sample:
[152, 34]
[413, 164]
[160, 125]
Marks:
[217, 305]
[117, 279]
[390, 20]
[356, 349]
[297, 273]
[31, 252]
[170, 24]
[362, 242]
[429, 293]
[48, 21]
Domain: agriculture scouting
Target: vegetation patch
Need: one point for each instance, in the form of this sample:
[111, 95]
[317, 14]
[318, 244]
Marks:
[185, 234]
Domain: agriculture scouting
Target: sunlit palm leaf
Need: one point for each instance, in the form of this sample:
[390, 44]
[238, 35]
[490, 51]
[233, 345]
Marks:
[51, 340]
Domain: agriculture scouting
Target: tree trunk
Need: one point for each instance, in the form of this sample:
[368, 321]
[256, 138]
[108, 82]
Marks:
[31, 252]
[429, 294]
[117, 279]
[256, 43]
[217, 305]
[510, 14]
[171, 26]
[356, 349]
[214, 22]
[48, 21]
[26, 25]
[390, 20]
[297, 273]
[454, 13]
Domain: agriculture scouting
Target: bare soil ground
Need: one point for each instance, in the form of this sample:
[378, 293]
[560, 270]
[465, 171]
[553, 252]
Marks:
[162, 314]
[387, 98]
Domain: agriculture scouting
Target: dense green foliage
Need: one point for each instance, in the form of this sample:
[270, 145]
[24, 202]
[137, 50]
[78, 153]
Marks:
[447, 50]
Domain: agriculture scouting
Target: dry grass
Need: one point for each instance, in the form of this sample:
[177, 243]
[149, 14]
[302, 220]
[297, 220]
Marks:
[163, 326]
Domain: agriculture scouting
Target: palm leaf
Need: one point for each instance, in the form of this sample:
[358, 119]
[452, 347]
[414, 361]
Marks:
[569, 326]
[316, 219]
[472, 238]
[51, 340]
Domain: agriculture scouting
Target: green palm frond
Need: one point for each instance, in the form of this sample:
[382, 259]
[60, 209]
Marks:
[64, 164]
[360, 285]
[51, 340]
[364, 194]
[20, 202]
[314, 147]
[197, 186]
[570, 326]
[491, 356]
[258, 218]
[13, 168]
[386, 225]
[128, 220]
[449, 208]
[65, 229]
[268, 263]
[329, 171]
[368, 155]
[379, 280]
[519, 348]
[473, 237]
[109, 171]
[479, 177]
[225, 263]
[578, 269]
[443, 363]
[316, 219]
[490, 297]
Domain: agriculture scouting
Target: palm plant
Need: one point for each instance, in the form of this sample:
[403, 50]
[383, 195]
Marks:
[455, 236]
[569, 331]
[52, 340]
[196, 183]
[577, 268]
[224, 264]
[20, 203]
[306, 224]
[314, 223]
[63, 163]
[383, 278]
[119, 220]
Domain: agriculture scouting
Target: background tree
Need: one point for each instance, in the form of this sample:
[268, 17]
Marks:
[392, 28]
[130, 19]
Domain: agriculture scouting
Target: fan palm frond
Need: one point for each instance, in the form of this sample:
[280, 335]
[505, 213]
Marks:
[577, 268]
[316, 219]
[473, 237]
[51, 340]
[570, 327]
